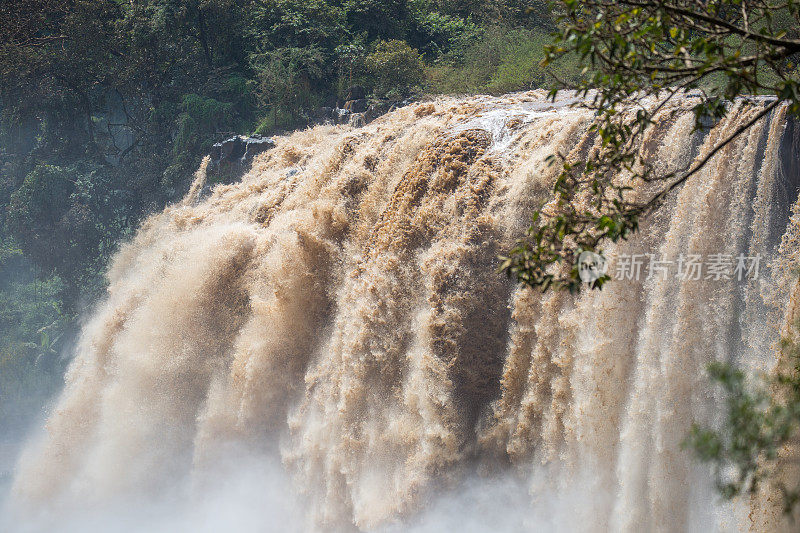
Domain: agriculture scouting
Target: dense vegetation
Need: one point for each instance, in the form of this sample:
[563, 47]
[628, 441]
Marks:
[107, 106]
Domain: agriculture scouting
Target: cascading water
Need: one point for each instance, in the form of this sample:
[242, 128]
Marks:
[334, 327]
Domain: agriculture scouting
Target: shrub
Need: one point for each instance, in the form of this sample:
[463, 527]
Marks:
[438, 33]
[395, 69]
[500, 61]
[286, 81]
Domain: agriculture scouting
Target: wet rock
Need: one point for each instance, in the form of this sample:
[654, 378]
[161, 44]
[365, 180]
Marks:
[325, 114]
[256, 145]
[231, 157]
[356, 92]
[231, 149]
[357, 106]
[342, 116]
[239, 149]
[404, 103]
[376, 109]
[205, 192]
[356, 111]
[380, 107]
[357, 120]
[215, 151]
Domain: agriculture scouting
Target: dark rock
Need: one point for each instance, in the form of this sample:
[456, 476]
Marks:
[231, 149]
[205, 192]
[215, 151]
[376, 109]
[357, 106]
[330, 101]
[404, 103]
[256, 145]
[356, 92]
[239, 149]
[325, 113]
[341, 116]
[357, 120]
[368, 110]
[380, 107]
[369, 115]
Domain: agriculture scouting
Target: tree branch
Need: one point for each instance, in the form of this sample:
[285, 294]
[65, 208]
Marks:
[657, 199]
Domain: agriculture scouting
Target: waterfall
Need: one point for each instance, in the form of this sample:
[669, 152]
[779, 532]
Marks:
[333, 328]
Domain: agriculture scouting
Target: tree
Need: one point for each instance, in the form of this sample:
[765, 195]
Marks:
[285, 79]
[395, 68]
[637, 51]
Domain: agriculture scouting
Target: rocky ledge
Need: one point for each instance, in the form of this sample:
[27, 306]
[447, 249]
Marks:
[231, 156]
[239, 150]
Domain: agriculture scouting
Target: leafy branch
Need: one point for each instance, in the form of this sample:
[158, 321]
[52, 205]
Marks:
[760, 420]
[638, 57]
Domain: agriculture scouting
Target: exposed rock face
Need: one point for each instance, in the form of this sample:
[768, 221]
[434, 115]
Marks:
[239, 149]
[357, 120]
[357, 106]
[254, 146]
[230, 157]
[359, 112]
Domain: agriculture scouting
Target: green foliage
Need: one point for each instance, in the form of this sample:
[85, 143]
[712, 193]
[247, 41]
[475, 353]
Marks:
[277, 120]
[350, 63]
[395, 69]
[499, 60]
[33, 324]
[634, 52]
[285, 82]
[519, 68]
[68, 220]
[378, 19]
[528, 13]
[200, 116]
[437, 33]
[8, 252]
[297, 24]
[38, 205]
[760, 419]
